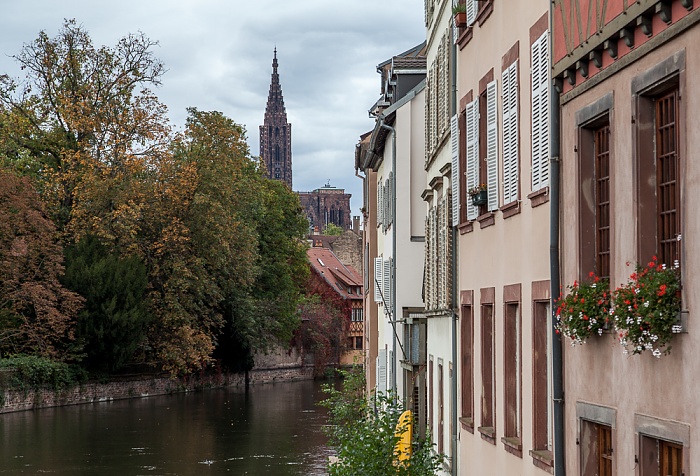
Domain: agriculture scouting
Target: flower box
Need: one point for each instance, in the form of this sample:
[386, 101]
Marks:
[460, 19]
[480, 198]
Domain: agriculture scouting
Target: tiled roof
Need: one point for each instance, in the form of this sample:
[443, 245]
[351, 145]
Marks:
[343, 279]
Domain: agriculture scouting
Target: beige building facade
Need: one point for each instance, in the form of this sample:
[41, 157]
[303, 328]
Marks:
[503, 213]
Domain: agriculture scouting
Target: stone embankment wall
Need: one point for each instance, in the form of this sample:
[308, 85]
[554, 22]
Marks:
[272, 371]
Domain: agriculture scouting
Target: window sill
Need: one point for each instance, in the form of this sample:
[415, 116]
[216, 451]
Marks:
[466, 227]
[543, 459]
[513, 446]
[488, 433]
[484, 13]
[513, 208]
[465, 36]
[467, 424]
[486, 219]
[539, 197]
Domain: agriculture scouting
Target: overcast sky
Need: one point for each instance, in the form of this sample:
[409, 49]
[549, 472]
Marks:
[219, 57]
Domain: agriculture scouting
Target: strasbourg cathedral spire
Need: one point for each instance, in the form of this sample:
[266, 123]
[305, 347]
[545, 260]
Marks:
[276, 133]
[322, 206]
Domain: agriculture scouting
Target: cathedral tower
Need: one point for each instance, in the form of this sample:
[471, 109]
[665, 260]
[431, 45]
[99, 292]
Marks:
[276, 133]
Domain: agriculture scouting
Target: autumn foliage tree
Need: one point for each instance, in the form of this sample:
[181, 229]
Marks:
[37, 314]
[222, 245]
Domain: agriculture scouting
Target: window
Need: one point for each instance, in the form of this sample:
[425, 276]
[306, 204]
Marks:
[659, 162]
[467, 352]
[595, 197]
[667, 178]
[488, 419]
[358, 342]
[660, 457]
[431, 395]
[596, 450]
[357, 315]
[510, 133]
[378, 275]
[482, 147]
[512, 377]
[540, 112]
[602, 201]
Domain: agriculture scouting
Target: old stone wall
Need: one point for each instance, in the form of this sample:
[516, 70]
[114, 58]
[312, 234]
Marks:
[18, 400]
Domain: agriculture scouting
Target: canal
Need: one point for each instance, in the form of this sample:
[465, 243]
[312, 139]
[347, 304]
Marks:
[269, 429]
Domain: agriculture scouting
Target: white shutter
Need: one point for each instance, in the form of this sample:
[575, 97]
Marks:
[492, 144]
[389, 369]
[381, 371]
[510, 133]
[472, 7]
[454, 180]
[386, 286]
[390, 198]
[380, 203]
[378, 270]
[540, 113]
[472, 153]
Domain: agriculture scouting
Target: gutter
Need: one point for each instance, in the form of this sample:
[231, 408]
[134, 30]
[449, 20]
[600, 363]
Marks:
[455, 316]
[554, 281]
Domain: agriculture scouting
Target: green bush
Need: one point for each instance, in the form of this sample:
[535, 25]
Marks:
[362, 432]
[33, 373]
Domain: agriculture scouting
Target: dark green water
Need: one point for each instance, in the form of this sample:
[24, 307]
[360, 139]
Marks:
[271, 429]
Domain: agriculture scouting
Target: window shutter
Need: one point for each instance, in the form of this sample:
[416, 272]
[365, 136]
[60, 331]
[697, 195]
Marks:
[389, 368]
[492, 144]
[454, 180]
[510, 133]
[472, 7]
[381, 371]
[380, 203]
[540, 113]
[472, 154]
[390, 200]
[386, 286]
[378, 269]
[428, 86]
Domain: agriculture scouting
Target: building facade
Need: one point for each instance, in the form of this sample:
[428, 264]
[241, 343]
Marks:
[628, 134]
[326, 205]
[276, 133]
[503, 246]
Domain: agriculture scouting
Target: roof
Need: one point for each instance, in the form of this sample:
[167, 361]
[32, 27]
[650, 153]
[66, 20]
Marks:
[340, 277]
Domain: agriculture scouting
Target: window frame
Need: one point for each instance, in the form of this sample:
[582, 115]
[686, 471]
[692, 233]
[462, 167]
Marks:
[512, 369]
[488, 361]
[467, 361]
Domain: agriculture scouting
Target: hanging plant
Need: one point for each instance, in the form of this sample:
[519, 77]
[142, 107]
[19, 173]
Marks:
[585, 310]
[646, 309]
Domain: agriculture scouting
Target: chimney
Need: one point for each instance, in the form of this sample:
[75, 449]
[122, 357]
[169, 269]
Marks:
[356, 224]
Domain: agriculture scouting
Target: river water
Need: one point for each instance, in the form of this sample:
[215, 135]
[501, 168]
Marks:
[269, 429]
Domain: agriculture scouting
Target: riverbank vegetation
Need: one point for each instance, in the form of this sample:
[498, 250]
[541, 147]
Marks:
[363, 432]
[124, 241]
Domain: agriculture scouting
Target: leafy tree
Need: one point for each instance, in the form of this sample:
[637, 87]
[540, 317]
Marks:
[84, 122]
[37, 314]
[333, 230]
[323, 331]
[114, 321]
[362, 430]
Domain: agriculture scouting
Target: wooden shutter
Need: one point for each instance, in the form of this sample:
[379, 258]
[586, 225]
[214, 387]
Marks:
[390, 198]
[378, 270]
[389, 369]
[540, 113]
[454, 180]
[472, 153]
[380, 203]
[472, 7]
[492, 144]
[510, 133]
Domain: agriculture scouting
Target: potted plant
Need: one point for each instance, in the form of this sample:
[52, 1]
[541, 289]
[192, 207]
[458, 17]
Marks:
[585, 310]
[646, 309]
[479, 195]
[459, 11]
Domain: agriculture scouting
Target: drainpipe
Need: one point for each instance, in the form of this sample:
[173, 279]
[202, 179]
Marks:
[455, 423]
[557, 363]
[392, 314]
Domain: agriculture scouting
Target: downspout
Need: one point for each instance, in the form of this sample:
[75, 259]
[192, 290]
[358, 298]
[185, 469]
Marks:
[392, 314]
[557, 361]
[455, 423]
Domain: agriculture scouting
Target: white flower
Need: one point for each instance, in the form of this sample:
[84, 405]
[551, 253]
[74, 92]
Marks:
[593, 285]
[676, 264]
[600, 332]
[646, 303]
[656, 353]
[663, 266]
[677, 329]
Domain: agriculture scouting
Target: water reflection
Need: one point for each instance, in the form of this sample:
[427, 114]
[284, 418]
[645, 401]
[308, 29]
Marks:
[271, 429]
